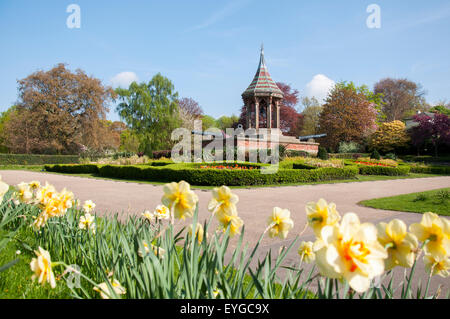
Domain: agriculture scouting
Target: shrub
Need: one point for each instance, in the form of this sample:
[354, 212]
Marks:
[33, 159]
[349, 147]
[382, 170]
[391, 156]
[159, 154]
[375, 155]
[425, 169]
[212, 177]
[322, 154]
[73, 169]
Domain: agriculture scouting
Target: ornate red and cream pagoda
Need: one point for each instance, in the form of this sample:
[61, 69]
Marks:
[262, 100]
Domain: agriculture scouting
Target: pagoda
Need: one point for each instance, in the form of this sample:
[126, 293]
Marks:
[262, 101]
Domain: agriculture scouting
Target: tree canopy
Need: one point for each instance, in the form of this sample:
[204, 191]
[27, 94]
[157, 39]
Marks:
[151, 111]
[58, 111]
[347, 116]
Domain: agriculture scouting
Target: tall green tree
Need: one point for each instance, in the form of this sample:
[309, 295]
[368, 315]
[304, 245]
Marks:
[5, 117]
[311, 114]
[151, 111]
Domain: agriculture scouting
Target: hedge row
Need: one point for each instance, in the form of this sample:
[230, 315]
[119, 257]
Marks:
[33, 159]
[74, 169]
[441, 170]
[216, 177]
[381, 170]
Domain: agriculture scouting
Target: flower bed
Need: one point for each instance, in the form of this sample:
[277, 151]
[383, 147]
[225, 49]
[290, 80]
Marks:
[235, 167]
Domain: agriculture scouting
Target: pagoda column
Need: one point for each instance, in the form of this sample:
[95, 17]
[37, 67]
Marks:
[269, 113]
[248, 104]
[278, 114]
[256, 113]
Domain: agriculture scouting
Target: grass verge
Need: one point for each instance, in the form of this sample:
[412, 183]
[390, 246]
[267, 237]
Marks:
[436, 201]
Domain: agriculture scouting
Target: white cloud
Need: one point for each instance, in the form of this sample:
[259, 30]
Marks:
[319, 87]
[124, 79]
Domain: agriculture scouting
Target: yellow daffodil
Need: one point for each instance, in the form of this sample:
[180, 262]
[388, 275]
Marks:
[45, 193]
[3, 189]
[215, 292]
[34, 185]
[223, 202]
[321, 214]
[87, 222]
[437, 265]
[351, 251]
[24, 194]
[40, 221]
[88, 206]
[435, 231]
[199, 232]
[235, 223]
[306, 251]
[42, 267]
[280, 223]
[148, 215]
[180, 199]
[156, 250]
[161, 212]
[401, 245]
[105, 291]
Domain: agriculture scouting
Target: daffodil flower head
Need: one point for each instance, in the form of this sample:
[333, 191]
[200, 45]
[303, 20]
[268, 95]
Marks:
[162, 212]
[3, 189]
[280, 223]
[42, 268]
[320, 214]
[148, 215]
[180, 199]
[223, 202]
[437, 265]
[434, 232]
[351, 250]
[234, 222]
[401, 245]
[88, 206]
[87, 222]
[105, 291]
[199, 231]
[306, 251]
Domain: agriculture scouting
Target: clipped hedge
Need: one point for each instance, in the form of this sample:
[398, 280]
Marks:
[213, 177]
[33, 159]
[440, 170]
[74, 169]
[382, 170]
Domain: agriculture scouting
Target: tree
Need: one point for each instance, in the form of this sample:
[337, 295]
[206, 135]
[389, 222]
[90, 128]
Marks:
[431, 130]
[129, 141]
[389, 136]
[55, 109]
[225, 122]
[442, 108]
[347, 116]
[400, 97]
[207, 122]
[5, 117]
[151, 111]
[311, 114]
[190, 111]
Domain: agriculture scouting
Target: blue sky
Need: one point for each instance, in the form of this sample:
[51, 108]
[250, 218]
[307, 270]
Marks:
[210, 49]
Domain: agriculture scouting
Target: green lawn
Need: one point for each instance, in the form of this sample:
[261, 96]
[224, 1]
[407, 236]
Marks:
[436, 201]
[15, 282]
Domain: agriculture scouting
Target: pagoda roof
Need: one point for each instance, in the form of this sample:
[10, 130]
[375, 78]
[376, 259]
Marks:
[262, 84]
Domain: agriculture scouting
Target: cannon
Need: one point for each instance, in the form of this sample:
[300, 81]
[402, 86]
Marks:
[307, 137]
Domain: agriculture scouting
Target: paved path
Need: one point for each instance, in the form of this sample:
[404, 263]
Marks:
[255, 204]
